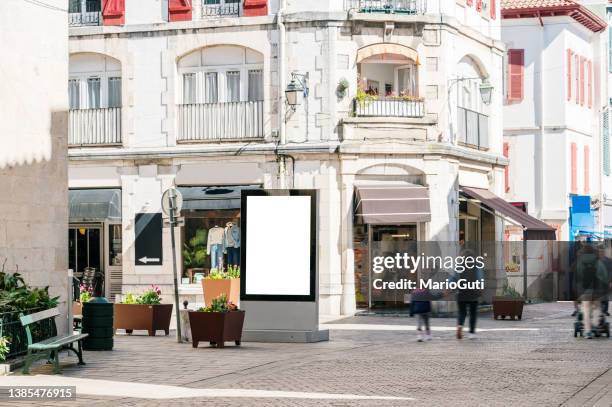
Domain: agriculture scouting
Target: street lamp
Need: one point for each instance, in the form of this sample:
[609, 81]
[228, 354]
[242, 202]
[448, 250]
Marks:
[298, 84]
[486, 90]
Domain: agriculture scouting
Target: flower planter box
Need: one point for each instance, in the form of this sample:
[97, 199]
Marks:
[507, 307]
[214, 288]
[216, 327]
[149, 318]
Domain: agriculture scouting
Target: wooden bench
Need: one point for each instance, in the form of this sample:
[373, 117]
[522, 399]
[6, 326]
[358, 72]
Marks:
[49, 348]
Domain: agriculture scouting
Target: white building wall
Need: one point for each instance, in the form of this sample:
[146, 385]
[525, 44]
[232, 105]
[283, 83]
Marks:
[33, 161]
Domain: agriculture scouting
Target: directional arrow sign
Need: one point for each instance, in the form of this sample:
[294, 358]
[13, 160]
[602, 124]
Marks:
[148, 245]
[146, 260]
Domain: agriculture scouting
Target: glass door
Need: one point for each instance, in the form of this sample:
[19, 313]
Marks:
[388, 241]
[85, 250]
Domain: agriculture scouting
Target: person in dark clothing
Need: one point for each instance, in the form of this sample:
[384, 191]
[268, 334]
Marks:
[607, 263]
[420, 305]
[467, 299]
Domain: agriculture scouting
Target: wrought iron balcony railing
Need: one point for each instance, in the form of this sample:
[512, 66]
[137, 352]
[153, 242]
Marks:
[220, 121]
[410, 7]
[212, 8]
[389, 108]
[94, 127]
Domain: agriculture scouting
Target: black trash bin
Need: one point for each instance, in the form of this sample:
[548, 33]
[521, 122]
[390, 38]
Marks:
[98, 323]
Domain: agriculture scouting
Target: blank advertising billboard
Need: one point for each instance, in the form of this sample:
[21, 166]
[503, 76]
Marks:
[279, 245]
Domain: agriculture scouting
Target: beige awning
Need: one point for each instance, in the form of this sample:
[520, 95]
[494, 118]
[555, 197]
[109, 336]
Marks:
[534, 229]
[392, 204]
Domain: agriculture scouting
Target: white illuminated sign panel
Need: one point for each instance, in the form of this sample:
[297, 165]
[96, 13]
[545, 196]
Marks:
[278, 232]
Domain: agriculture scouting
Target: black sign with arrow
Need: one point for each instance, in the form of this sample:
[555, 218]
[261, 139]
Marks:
[148, 245]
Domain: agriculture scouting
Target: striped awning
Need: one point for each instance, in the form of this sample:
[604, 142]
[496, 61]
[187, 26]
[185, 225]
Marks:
[392, 204]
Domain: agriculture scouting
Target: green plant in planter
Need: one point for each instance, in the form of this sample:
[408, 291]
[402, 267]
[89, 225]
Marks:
[220, 304]
[216, 274]
[342, 87]
[233, 271]
[16, 295]
[194, 252]
[150, 297]
[510, 292]
[4, 347]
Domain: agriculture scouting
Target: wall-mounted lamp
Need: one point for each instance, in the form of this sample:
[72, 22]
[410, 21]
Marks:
[297, 86]
[486, 89]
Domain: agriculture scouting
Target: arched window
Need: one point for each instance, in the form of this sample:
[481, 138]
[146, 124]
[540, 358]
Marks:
[221, 74]
[472, 118]
[94, 81]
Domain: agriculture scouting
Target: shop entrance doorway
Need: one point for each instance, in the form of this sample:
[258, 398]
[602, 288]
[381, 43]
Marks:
[85, 250]
[387, 240]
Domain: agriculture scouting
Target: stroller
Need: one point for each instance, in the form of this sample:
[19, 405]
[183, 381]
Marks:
[602, 327]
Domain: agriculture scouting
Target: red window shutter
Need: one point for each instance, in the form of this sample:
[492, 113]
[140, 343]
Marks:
[569, 74]
[587, 166]
[590, 83]
[493, 9]
[113, 12]
[582, 81]
[179, 10]
[577, 77]
[516, 63]
[506, 170]
[573, 163]
[478, 5]
[468, 3]
[253, 8]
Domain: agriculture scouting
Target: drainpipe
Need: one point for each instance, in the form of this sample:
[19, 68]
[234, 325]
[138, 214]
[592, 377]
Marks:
[282, 168]
[539, 197]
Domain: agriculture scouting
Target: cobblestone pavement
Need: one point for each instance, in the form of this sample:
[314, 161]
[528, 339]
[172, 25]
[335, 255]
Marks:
[533, 362]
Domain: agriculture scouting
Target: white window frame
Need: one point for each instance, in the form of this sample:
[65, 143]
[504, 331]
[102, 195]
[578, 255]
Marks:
[83, 91]
[221, 71]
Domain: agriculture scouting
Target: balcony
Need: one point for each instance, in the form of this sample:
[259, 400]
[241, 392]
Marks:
[84, 13]
[389, 108]
[220, 8]
[94, 127]
[84, 19]
[406, 7]
[210, 122]
[472, 129]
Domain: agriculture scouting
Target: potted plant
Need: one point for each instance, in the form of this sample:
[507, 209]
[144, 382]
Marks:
[220, 281]
[143, 312]
[4, 348]
[508, 304]
[217, 323]
[86, 293]
[194, 254]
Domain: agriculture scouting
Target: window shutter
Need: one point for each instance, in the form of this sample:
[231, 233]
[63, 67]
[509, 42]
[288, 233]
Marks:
[587, 166]
[493, 9]
[590, 83]
[609, 50]
[252, 8]
[506, 170]
[113, 12]
[179, 10]
[582, 81]
[569, 74]
[577, 78]
[606, 142]
[468, 3]
[516, 59]
[478, 5]
[573, 163]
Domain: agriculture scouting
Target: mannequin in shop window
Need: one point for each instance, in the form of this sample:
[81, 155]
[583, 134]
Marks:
[231, 242]
[215, 247]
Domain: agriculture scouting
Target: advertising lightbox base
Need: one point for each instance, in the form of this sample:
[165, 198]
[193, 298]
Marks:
[282, 321]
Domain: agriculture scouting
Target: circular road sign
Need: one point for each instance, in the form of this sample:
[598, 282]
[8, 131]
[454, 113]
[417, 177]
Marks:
[172, 194]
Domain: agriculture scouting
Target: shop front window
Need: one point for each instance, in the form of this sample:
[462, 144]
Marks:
[211, 235]
[382, 240]
[114, 245]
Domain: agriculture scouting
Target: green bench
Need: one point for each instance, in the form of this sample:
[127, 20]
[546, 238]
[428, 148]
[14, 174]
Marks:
[49, 348]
